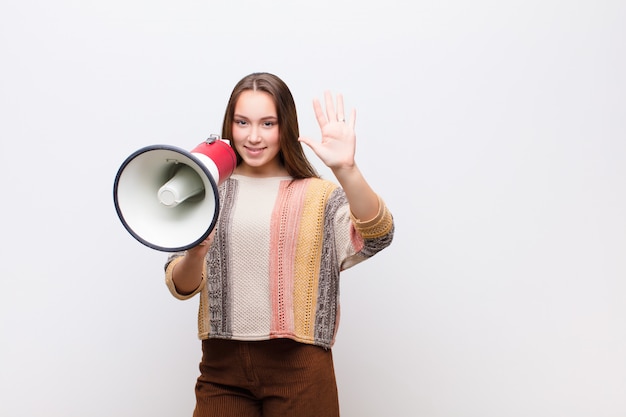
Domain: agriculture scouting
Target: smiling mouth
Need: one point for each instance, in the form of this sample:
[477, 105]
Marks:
[254, 150]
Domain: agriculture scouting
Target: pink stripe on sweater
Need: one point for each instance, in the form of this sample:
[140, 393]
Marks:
[285, 219]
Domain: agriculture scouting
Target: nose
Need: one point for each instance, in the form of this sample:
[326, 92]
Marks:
[254, 136]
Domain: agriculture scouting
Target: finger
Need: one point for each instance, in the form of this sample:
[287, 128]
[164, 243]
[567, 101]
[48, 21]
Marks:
[341, 117]
[330, 107]
[319, 113]
[308, 142]
[209, 239]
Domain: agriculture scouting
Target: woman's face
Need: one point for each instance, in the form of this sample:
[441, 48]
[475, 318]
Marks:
[256, 135]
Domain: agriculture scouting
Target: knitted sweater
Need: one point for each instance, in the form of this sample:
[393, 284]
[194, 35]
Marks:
[273, 268]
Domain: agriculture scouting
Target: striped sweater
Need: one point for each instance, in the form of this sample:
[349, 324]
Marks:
[273, 268]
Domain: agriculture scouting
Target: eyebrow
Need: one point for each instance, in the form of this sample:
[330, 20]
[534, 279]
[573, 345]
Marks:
[262, 118]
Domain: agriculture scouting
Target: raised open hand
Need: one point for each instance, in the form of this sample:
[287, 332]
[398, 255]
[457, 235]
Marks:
[338, 144]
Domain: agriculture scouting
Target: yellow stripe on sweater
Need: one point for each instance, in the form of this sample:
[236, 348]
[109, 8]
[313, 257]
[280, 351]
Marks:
[308, 256]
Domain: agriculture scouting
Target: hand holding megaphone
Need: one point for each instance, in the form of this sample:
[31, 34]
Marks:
[167, 198]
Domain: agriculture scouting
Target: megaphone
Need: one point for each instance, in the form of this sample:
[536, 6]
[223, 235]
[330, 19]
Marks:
[167, 198]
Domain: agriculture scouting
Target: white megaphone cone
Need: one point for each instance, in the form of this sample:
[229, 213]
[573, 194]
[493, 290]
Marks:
[167, 198]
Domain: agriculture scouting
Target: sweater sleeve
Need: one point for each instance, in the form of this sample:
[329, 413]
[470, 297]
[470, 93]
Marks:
[379, 226]
[366, 237]
[169, 281]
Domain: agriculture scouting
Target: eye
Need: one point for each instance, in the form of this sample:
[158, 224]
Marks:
[269, 123]
[240, 122]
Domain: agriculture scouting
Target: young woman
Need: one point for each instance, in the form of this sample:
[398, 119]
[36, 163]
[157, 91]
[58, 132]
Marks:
[268, 276]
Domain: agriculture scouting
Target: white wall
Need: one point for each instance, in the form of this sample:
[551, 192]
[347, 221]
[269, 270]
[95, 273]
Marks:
[496, 132]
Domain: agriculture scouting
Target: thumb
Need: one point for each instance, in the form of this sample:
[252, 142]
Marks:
[308, 142]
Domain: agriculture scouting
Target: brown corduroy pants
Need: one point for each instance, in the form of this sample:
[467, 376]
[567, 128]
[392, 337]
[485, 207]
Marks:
[272, 378]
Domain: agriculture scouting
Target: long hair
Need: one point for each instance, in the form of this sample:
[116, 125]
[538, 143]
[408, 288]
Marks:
[291, 154]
